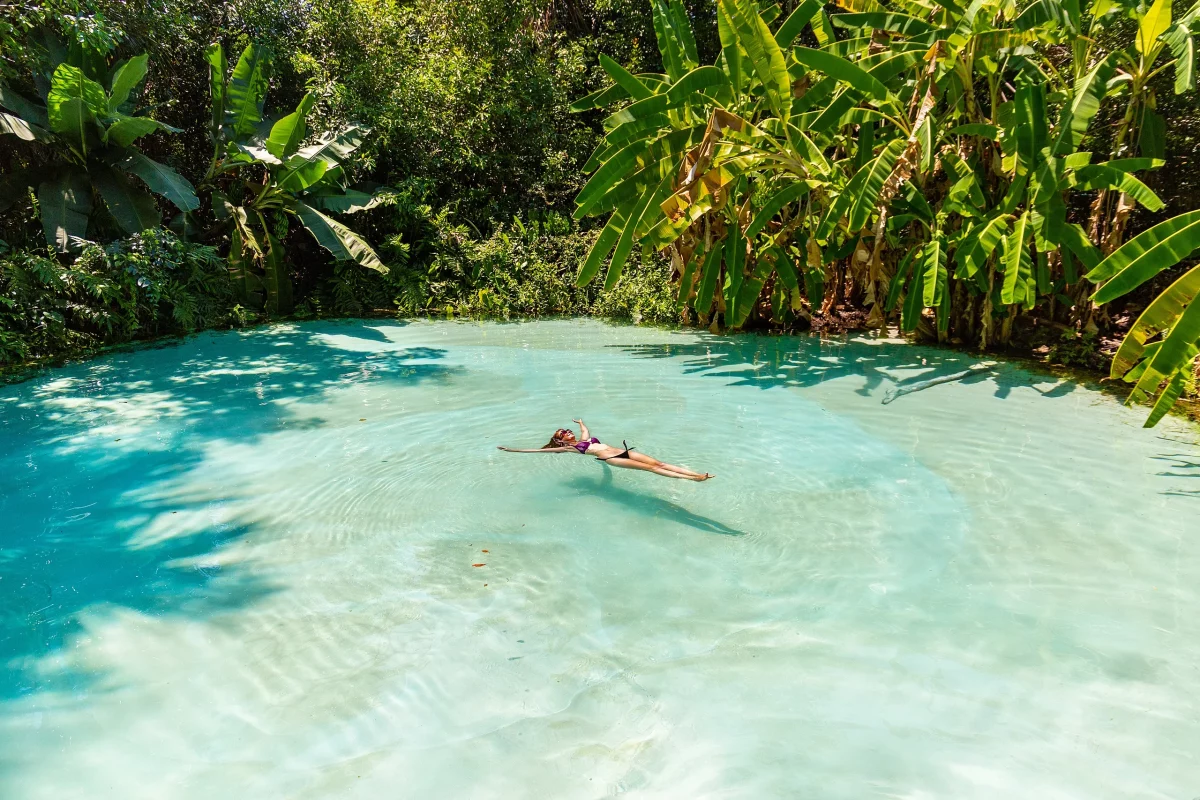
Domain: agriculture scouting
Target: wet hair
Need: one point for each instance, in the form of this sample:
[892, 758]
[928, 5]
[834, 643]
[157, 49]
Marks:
[557, 439]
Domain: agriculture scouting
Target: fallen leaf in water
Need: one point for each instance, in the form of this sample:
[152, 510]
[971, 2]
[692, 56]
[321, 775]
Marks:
[483, 551]
[479, 565]
[364, 419]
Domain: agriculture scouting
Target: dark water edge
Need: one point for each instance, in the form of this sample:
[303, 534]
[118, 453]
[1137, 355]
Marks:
[1096, 379]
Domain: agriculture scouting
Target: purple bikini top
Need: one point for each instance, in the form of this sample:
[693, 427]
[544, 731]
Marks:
[582, 447]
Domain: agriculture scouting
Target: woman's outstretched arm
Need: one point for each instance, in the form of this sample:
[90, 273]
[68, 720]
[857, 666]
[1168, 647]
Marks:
[539, 450]
[584, 433]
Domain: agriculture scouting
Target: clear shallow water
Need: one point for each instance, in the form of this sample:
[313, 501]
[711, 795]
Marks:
[243, 567]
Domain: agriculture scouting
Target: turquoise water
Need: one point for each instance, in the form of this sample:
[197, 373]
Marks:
[245, 566]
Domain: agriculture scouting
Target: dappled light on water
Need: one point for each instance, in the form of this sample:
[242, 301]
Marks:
[290, 562]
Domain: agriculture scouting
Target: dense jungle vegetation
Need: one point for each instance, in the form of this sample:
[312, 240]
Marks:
[989, 174]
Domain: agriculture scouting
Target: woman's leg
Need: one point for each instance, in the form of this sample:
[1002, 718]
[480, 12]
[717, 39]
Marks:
[629, 463]
[654, 462]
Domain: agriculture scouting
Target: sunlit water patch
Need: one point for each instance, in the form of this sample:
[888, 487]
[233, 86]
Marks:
[291, 562]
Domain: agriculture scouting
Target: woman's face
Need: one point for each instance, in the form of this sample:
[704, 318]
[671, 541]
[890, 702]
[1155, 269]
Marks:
[566, 436]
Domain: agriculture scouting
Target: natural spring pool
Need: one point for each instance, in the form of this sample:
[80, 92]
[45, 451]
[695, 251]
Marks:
[245, 567]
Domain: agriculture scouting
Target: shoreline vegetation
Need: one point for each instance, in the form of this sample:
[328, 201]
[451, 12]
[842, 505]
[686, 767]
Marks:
[1003, 178]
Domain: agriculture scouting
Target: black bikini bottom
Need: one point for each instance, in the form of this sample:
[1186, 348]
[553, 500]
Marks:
[620, 455]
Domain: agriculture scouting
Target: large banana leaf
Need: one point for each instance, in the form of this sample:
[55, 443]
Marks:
[877, 173]
[1153, 24]
[132, 208]
[65, 203]
[933, 262]
[31, 112]
[125, 79]
[625, 79]
[245, 92]
[1169, 396]
[214, 55]
[1018, 265]
[1146, 255]
[788, 194]
[1160, 315]
[1105, 176]
[12, 124]
[842, 70]
[160, 178]
[981, 241]
[343, 243]
[288, 133]
[1176, 354]
[765, 57]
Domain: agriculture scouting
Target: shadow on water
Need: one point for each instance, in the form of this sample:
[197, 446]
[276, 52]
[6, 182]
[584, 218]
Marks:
[647, 505]
[83, 504]
[769, 362]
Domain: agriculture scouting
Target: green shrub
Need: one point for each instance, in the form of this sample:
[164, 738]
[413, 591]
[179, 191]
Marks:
[147, 285]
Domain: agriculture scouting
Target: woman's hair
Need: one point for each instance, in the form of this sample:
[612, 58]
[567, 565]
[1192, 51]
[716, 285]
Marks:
[557, 439]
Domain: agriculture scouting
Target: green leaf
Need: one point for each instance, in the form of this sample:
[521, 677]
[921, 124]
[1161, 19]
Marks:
[933, 262]
[697, 80]
[160, 178]
[214, 55]
[636, 89]
[128, 76]
[65, 203]
[976, 248]
[600, 98]
[910, 315]
[735, 262]
[647, 203]
[883, 21]
[12, 124]
[794, 24]
[1018, 266]
[842, 70]
[766, 59]
[1167, 399]
[133, 209]
[1089, 92]
[899, 279]
[1078, 243]
[1103, 176]
[30, 112]
[245, 91]
[1183, 49]
[1153, 24]
[1160, 315]
[877, 173]
[1145, 255]
[70, 82]
[602, 247]
[126, 130]
[750, 289]
[608, 174]
[349, 202]
[1152, 139]
[276, 280]
[343, 243]
[788, 194]
[335, 147]
[708, 279]
[1176, 354]
[288, 133]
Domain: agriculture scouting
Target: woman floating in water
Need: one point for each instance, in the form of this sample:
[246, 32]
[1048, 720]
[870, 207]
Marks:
[564, 441]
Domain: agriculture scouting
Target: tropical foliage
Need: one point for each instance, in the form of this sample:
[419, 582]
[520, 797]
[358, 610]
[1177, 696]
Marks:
[84, 127]
[924, 161]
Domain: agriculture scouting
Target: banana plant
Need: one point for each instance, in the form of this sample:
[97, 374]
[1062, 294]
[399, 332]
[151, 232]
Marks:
[1165, 366]
[83, 130]
[263, 176]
